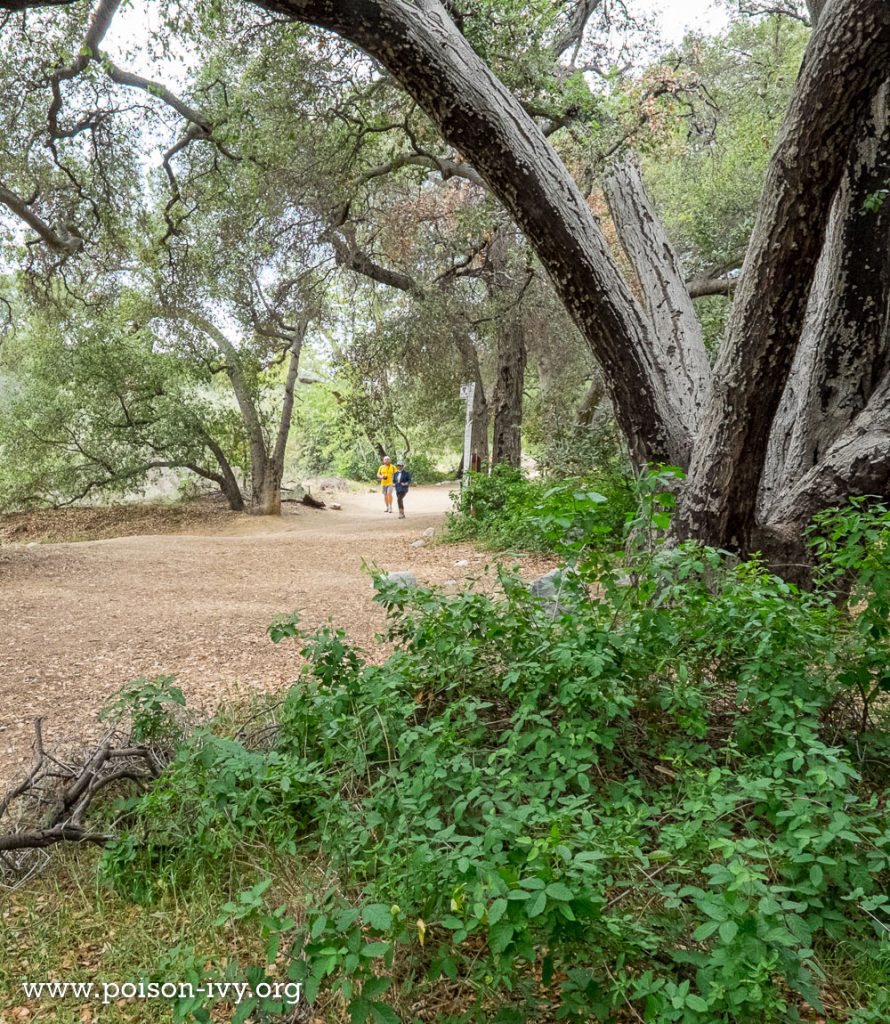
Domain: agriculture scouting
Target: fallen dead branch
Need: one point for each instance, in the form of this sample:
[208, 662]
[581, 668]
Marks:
[51, 804]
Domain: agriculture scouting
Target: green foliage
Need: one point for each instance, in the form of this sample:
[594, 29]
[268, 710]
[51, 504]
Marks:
[706, 176]
[637, 798]
[875, 201]
[148, 704]
[95, 403]
[424, 469]
[507, 510]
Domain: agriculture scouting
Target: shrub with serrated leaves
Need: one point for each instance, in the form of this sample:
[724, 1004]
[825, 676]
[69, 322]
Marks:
[640, 799]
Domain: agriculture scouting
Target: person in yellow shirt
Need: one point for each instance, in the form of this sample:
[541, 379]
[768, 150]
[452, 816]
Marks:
[385, 473]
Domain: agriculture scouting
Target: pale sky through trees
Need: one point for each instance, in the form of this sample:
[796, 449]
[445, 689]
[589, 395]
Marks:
[678, 16]
[674, 17]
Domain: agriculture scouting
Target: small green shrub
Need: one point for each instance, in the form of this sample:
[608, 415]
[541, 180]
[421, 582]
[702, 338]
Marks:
[148, 706]
[640, 798]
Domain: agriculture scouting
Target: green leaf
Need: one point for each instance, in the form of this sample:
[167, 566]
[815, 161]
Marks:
[377, 916]
[728, 931]
[243, 1010]
[705, 930]
[560, 892]
[500, 936]
[496, 911]
[359, 1010]
[373, 949]
[536, 904]
[384, 1014]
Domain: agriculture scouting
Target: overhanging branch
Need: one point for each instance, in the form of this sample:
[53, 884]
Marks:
[65, 242]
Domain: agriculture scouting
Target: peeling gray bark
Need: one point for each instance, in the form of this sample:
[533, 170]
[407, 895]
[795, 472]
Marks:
[845, 344]
[857, 463]
[590, 403]
[844, 65]
[676, 332]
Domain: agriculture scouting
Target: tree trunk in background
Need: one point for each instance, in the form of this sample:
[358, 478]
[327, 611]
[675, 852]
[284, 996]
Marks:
[265, 495]
[472, 374]
[266, 465]
[228, 484]
[506, 442]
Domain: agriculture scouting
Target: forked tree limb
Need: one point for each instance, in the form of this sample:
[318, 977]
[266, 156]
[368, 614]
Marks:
[67, 243]
[844, 65]
[676, 330]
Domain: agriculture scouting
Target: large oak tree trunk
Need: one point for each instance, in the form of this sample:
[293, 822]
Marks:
[846, 60]
[845, 344]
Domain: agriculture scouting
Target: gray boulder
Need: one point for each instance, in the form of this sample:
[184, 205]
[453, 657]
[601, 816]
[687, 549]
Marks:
[553, 590]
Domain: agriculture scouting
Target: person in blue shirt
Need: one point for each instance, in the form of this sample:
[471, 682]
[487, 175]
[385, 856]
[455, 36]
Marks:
[402, 481]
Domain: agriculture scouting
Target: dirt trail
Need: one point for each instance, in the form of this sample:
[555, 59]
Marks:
[78, 620]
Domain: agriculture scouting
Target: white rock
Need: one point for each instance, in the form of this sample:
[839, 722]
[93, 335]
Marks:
[418, 544]
[33, 544]
[335, 506]
[429, 531]
[462, 561]
[406, 578]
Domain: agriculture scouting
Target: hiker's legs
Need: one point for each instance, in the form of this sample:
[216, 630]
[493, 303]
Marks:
[387, 497]
[400, 498]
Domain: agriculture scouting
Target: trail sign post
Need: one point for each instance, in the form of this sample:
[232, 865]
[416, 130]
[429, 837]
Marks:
[468, 394]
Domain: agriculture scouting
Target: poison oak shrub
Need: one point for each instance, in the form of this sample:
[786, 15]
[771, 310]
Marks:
[507, 510]
[638, 795]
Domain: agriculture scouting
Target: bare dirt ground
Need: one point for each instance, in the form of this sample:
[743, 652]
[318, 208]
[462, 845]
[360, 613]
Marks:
[79, 620]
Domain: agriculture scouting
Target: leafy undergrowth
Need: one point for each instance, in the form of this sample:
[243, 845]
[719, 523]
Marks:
[508, 511]
[661, 797]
